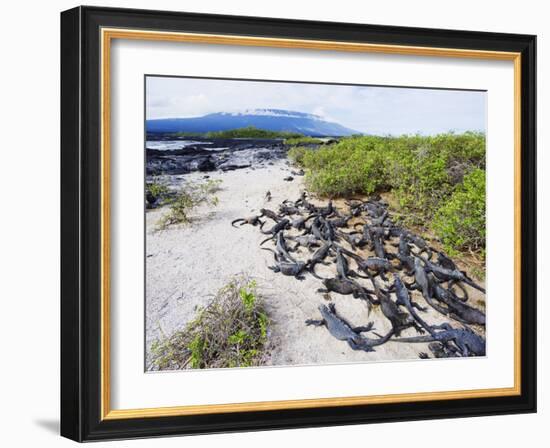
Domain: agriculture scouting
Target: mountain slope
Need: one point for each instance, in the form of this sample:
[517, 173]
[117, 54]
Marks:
[269, 119]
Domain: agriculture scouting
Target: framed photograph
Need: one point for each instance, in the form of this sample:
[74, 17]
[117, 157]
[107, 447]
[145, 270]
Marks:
[277, 224]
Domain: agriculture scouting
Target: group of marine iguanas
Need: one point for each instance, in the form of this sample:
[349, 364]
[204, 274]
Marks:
[325, 232]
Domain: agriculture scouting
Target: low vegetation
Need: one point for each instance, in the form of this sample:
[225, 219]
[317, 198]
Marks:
[252, 132]
[460, 221]
[156, 192]
[303, 141]
[437, 182]
[230, 332]
[184, 201]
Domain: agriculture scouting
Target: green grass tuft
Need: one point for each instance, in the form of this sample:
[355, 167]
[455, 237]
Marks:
[232, 331]
[189, 197]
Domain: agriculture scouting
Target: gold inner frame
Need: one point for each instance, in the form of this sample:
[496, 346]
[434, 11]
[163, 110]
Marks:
[107, 35]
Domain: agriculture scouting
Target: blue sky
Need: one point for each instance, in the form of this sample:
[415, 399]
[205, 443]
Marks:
[368, 109]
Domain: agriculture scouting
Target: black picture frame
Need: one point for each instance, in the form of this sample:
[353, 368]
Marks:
[81, 224]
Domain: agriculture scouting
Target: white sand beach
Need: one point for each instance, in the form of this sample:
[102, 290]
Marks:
[187, 265]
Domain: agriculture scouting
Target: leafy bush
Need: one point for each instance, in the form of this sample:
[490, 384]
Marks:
[296, 154]
[189, 197]
[251, 132]
[421, 172]
[230, 332]
[460, 222]
[156, 192]
[301, 141]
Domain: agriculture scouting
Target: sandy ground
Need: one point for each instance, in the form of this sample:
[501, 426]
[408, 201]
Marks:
[187, 265]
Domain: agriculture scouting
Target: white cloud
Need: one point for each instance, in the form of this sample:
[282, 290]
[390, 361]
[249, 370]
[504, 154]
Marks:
[375, 110]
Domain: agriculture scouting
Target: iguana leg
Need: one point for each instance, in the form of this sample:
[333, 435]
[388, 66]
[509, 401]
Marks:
[364, 329]
[315, 322]
[355, 346]
[418, 307]
[418, 328]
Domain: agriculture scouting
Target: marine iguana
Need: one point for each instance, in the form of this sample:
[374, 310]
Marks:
[288, 268]
[465, 340]
[342, 266]
[305, 241]
[425, 283]
[269, 214]
[456, 309]
[252, 220]
[404, 299]
[281, 225]
[378, 221]
[303, 202]
[316, 229]
[421, 279]
[326, 211]
[348, 287]
[373, 209]
[399, 320]
[448, 274]
[406, 260]
[419, 242]
[440, 350]
[281, 248]
[327, 230]
[353, 240]
[318, 257]
[343, 331]
[288, 210]
[445, 262]
[300, 222]
[340, 222]
[376, 264]
[379, 249]
[301, 199]
[355, 209]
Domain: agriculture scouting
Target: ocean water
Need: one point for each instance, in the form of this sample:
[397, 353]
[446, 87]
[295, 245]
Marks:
[166, 145]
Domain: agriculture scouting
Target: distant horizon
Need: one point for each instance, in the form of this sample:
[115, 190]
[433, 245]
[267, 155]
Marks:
[370, 110]
[358, 132]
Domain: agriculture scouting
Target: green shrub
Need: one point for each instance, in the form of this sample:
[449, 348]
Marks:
[189, 197]
[421, 172]
[251, 132]
[460, 222]
[301, 141]
[156, 192]
[296, 154]
[230, 332]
